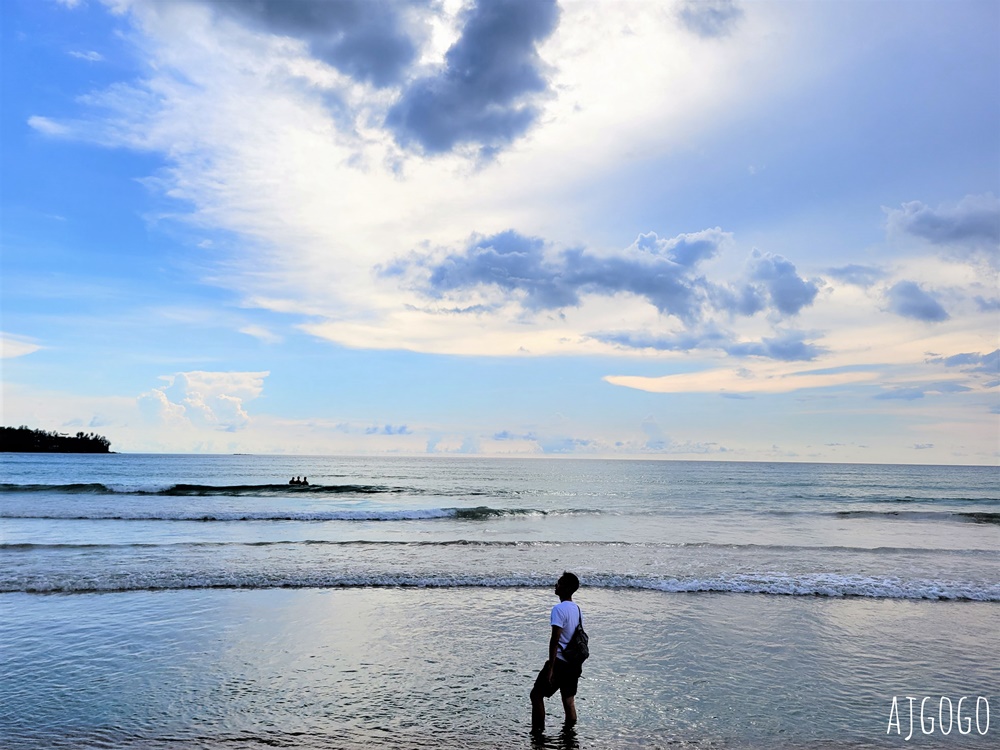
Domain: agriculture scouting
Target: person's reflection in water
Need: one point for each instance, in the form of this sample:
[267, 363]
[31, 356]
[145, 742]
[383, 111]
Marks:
[565, 740]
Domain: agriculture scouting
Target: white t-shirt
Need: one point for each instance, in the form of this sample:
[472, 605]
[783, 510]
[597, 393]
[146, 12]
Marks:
[567, 616]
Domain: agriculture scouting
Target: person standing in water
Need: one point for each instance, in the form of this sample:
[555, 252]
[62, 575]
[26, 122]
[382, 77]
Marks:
[558, 674]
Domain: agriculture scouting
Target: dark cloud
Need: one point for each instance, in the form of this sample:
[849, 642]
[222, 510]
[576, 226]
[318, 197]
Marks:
[686, 250]
[987, 305]
[681, 342]
[745, 300]
[957, 360]
[370, 40]
[990, 363]
[788, 291]
[975, 221]
[906, 298]
[511, 262]
[487, 93]
[972, 361]
[710, 18]
[665, 272]
[864, 276]
[770, 279]
[789, 346]
[659, 270]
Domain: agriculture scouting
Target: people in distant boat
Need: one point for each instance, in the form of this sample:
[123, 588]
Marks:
[297, 481]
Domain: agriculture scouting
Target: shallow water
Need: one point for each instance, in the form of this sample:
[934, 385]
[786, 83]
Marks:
[186, 601]
[452, 668]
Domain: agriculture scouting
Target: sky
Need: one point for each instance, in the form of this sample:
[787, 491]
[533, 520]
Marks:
[715, 230]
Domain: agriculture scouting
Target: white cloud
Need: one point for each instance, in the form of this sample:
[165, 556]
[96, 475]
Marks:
[88, 55]
[262, 334]
[205, 399]
[739, 380]
[47, 126]
[157, 408]
[16, 346]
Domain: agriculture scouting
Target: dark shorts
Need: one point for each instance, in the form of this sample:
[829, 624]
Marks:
[564, 679]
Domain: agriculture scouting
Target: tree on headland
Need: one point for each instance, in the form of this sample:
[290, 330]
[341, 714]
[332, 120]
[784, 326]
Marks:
[25, 440]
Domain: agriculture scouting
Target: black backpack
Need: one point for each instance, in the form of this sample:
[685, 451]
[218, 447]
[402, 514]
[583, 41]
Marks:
[578, 649]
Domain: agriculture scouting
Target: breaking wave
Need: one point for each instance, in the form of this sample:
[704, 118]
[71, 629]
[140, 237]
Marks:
[210, 490]
[478, 513]
[831, 585]
[904, 515]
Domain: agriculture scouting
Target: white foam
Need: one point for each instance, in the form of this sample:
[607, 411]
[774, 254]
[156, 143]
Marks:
[777, 584]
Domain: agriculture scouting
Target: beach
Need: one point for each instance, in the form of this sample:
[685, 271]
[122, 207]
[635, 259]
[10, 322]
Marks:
[155, 602]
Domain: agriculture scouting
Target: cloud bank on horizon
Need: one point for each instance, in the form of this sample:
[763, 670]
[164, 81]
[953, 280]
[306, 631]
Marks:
[690, 229]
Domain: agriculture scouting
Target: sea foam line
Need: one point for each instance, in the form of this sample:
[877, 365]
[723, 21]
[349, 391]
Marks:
[828, 585]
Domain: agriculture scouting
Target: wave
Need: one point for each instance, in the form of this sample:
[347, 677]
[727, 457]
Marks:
[939, 500]
[960, 516]
[666, 546]
[903, 515]
[829, 585]
[478, 513]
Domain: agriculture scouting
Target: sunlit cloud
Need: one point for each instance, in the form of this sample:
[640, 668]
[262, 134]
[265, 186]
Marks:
[727, 381]
[212, 399]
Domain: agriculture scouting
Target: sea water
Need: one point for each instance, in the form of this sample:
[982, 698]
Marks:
[201, 601]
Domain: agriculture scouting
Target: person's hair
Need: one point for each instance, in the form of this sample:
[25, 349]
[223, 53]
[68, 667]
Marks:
[570, 582]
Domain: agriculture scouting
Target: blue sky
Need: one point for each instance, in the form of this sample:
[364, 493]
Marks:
[691, 230]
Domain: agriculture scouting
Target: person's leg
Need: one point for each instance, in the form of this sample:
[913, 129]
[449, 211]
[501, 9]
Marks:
[537, 711]
[568, 680]
[569, 705]
[539, 693]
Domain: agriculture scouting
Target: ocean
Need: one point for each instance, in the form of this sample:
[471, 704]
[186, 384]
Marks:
[157, 601]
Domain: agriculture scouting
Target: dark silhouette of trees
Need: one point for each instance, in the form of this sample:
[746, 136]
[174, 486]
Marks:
[25, 440]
